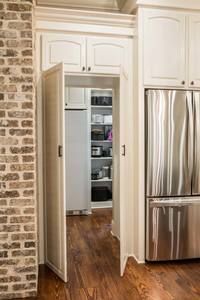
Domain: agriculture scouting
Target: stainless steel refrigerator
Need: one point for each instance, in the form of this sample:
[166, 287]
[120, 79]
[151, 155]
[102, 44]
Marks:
[172, 175]
[77, 161]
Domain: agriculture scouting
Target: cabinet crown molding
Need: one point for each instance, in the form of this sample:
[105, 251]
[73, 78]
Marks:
[179, 4]
[84, 17]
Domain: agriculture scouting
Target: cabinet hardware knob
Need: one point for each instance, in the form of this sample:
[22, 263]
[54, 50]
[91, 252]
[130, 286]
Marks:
[89, 69]
[83, 68]
[183, 82]
[192, 82]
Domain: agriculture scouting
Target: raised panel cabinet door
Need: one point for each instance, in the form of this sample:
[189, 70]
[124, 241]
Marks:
[106, 55]
[75, 98]
[194, 50]
[70, 50]
[164, 53]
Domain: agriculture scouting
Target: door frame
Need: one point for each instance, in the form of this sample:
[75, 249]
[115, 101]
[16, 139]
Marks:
[117, 76]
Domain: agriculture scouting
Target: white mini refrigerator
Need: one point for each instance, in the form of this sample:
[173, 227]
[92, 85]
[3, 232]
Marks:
[77, 162]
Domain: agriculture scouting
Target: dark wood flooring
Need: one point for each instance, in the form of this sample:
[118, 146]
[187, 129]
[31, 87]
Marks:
[94, 269]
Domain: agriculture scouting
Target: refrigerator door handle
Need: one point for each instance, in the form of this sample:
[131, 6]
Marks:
[190, 136]
[173, 203]
[196, 154]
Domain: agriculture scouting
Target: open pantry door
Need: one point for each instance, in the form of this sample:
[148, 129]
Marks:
[124, 188]
[54, 171]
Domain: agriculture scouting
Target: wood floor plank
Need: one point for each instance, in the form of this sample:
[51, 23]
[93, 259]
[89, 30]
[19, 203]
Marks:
[93, 268]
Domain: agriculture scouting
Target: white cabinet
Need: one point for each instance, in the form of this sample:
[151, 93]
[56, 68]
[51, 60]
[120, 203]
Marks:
[164, 48]
[75, 98]
[194, 51]
[106, 55]
[69, 49]
[84, 54]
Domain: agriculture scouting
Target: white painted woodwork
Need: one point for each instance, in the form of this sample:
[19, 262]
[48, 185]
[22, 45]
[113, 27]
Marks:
[85, 4]
[116, 162]
[55, 176]
[55, 220]
[125, 196]
[194, 51]
[68, 49]
[102, 54]
[62, 20]
[106, 55]
[75, 98]
[183, 4]
[164, 38]
[75, 22]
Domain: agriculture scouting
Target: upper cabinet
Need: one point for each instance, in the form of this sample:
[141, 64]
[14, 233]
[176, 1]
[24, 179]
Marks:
[194, 51]
[84, 54]
[164, 53]
[106, 55]
[68, 49]
[76, 98]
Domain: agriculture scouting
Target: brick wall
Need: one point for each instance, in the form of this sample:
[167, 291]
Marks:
[18, 254]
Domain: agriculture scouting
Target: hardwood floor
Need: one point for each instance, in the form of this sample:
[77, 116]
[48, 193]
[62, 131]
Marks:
[94, 269]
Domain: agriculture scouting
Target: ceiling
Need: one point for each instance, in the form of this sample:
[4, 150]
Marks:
[111, 5]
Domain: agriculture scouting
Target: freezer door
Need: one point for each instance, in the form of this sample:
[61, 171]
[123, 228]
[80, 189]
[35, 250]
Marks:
[196, 171]
[77, 155]
[172, 229]
[169, 151]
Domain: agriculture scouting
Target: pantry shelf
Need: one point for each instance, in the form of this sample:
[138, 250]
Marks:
[101, 124]
[102, 180]
[101, 141]
[101, 106]
[102, 158]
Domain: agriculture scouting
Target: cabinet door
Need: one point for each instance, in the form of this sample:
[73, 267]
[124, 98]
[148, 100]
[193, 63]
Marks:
[106, 55]
[75, 98]
[70, 50]
[194, 50]
[164, 48]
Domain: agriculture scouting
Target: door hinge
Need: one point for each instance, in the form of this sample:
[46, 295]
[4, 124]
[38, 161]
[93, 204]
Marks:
[60, 151]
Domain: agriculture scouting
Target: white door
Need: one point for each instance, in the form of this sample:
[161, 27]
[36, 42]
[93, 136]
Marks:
[194, 50]
[76, 98]
[106, 55]
[69, 49]
[124, 172]
[54, 162]
[164, 48]
[77, 166]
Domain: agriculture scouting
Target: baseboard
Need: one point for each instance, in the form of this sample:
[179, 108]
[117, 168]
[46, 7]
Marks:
[138, 261]
[116, 236]
[101, 204]
[114, 231]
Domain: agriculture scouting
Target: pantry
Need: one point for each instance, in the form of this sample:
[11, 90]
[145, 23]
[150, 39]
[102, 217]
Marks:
[88, 149]
[59, 181]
